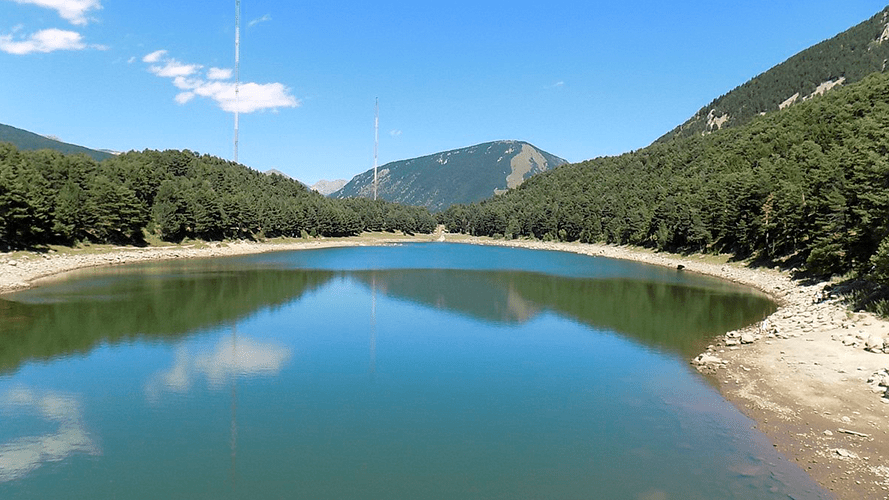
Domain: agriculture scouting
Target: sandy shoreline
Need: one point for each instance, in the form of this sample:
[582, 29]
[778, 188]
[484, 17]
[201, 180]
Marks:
[803, 378]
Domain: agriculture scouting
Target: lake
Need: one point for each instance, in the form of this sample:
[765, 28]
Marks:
[430, 370]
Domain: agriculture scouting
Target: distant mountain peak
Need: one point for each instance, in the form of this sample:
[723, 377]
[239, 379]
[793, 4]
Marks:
[463, 175]
[327, 187]
[277, 172]
[29, 141]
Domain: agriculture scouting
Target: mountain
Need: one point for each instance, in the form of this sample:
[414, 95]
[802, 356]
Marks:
[327, 187]
[805, 186]
[273, 171]
[841, 60]
[30, 141]
[465, 175]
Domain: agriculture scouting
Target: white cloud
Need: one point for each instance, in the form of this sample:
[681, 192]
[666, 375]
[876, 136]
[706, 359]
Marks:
[395, 133]
[48, 40]
[219, 74]
[262, 19]
[154, 56]
[557, 85]
[173, 68]
[73, 11]
[251, 96]
[243, 357]
[184, 97]
[23, 455]
[184, 83]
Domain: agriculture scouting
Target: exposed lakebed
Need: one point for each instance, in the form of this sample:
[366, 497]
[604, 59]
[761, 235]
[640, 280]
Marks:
[413, 371]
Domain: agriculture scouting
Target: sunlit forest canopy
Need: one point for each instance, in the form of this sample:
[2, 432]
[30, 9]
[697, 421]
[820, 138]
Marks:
[51, 198]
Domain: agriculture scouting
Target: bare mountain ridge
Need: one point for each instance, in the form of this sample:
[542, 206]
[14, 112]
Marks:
[327, 187]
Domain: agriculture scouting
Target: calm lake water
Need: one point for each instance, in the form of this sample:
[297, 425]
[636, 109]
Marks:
[414, 371]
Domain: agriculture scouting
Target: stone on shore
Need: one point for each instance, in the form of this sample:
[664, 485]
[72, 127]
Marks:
[875, 343]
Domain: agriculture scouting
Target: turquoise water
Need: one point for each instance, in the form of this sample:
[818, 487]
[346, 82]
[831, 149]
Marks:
[414, 371]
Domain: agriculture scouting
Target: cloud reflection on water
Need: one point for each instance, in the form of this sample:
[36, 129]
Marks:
[230, 357]
[25, 454]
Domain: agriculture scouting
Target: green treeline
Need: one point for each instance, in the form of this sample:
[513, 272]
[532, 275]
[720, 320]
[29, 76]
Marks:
[811, 181]
[161, 306]
[47, 197]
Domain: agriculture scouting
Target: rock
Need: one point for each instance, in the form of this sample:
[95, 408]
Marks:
[708, 363]
[849, 340]
[874, 343]
[732, 341]
[748, 338]
[845, 453]
[708, 359]
[828, 433]
[13, 263]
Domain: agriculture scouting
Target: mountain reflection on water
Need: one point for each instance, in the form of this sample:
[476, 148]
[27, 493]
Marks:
[666, 315]
[166, 301]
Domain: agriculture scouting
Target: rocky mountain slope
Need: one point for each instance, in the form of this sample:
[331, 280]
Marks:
[842, 60]
[464, 175]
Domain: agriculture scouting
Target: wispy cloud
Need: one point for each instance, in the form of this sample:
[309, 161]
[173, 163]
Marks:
[258, 20]
[21, 456]
[173, 69]
[51, 40]
[48, 40]
[214, 85]
[73, 11]
[154, 56]
[556, 85]
[395, 133]
[219, 74]
[242, 358]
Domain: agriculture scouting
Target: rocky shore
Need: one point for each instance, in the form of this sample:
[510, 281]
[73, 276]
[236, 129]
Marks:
[814, 377]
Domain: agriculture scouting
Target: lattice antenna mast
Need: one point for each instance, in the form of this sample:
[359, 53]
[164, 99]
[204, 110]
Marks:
[376, 140]
[237, 70]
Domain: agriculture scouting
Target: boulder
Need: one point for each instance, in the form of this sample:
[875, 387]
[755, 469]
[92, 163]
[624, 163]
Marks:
[748, 338]
[874, 343]
[708, 359]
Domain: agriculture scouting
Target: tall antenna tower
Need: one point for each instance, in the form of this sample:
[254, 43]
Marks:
[376, 140]
[237, 70]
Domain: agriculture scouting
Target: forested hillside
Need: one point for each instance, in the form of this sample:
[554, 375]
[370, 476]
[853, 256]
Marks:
[841, 60]
[459, 176]
[811, 181]
[49, 197]
[23, 139]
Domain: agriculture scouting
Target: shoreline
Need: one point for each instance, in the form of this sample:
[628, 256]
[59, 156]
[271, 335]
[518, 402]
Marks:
[801, 376]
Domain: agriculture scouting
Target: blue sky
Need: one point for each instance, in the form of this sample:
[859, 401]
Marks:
[577, 79]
